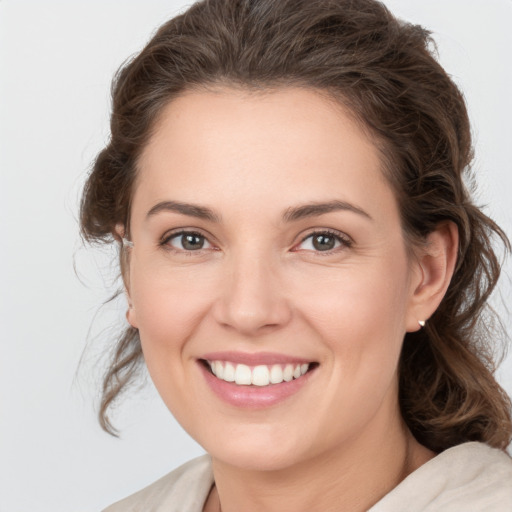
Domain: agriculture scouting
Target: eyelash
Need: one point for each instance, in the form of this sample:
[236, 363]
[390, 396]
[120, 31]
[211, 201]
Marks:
[344, 241]
[176, 234]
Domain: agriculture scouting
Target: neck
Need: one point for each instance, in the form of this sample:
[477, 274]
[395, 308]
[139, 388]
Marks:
[352, 477]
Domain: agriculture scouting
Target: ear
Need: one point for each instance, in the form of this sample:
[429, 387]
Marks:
[434, 266]
[119, 233]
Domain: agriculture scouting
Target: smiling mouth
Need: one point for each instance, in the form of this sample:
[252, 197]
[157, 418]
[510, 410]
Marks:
[260, 375]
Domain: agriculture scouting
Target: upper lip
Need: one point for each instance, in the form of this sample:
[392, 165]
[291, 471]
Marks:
[254, 359]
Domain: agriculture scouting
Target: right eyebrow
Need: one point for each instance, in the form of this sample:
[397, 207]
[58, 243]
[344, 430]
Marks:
[189, 209]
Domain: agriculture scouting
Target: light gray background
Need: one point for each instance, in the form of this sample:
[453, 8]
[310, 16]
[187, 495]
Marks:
[56, 62]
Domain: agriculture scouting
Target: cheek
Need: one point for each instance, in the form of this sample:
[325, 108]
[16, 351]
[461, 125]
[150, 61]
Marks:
[360, 315]
[355, 299]
[168, 310]
[360, 323]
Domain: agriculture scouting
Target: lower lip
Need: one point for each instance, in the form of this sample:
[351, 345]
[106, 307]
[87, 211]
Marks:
[253, 397]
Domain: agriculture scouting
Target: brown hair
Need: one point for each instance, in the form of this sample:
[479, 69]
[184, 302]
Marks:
[383, 70]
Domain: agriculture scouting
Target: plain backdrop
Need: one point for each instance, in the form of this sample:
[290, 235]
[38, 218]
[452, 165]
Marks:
[56, 63]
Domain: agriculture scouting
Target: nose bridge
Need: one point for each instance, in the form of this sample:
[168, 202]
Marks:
[252, 296]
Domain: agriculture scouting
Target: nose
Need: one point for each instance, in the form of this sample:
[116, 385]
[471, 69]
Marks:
[252, 299]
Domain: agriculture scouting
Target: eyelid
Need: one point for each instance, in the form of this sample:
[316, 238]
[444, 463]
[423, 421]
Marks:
[168, 235]
[345, 240]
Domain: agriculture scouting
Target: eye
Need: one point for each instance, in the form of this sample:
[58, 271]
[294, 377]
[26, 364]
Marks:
[324, 241]
[187, 241]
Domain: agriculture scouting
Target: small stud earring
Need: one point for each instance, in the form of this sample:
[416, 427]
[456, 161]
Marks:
[422, 323]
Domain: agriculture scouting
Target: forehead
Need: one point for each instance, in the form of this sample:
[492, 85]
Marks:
[288, 145]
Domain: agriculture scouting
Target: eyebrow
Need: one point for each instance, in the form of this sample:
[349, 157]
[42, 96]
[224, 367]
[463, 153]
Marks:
[314, 209]
[290, 214]
[192, 210]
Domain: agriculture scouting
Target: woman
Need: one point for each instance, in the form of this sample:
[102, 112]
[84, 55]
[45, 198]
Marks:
[306, 273]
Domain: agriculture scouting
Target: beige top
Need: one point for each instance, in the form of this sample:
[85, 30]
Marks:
[467, 478]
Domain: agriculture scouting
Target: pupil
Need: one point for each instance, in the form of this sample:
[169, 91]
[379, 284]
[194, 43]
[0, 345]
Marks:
[323, 242]
[191, 242]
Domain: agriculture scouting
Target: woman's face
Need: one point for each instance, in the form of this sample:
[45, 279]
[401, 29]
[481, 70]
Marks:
[268, 244]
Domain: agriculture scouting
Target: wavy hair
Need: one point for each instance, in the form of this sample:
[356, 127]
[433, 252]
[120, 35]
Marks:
[385, 72]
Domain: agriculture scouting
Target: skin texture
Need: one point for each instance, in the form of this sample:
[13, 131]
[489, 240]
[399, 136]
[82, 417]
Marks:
[260, 285]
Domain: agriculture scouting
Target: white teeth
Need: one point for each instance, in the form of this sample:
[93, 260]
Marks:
[276, 374]
[218, 369]
[229, 373]
[288, 372]
[261, 375]
[243, 375]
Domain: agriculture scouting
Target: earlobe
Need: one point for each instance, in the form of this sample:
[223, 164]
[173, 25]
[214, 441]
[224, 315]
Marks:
[131, 317]
[436, 264]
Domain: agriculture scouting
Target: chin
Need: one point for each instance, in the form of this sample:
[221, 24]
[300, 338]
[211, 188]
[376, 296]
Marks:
[253, 451]
[261, 460]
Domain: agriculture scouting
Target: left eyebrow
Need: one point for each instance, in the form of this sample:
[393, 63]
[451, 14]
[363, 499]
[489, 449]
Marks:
[314, 209]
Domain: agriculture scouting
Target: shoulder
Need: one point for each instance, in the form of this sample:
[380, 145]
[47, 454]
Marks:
[471, 477]
[183, 490]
